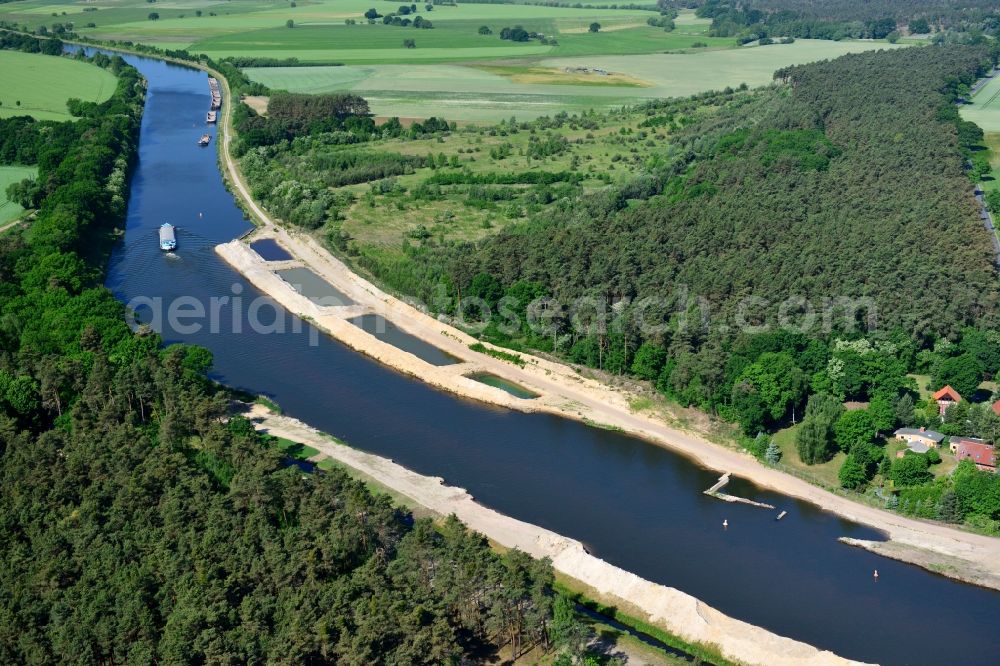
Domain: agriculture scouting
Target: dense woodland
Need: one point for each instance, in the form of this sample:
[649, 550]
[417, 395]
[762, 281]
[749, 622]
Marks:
[820, 189]
[290, 115]
[846, 19]
[139, 524]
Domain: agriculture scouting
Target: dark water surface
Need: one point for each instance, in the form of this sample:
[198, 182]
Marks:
[270, 250]
[633, 504]
[313, 287]
[386, 331]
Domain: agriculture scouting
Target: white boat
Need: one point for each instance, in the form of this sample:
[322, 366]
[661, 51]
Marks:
[168, 241]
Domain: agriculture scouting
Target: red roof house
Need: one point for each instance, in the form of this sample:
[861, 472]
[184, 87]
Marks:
[954, 441]
[996, 407]
[983, 455]
[945, 398]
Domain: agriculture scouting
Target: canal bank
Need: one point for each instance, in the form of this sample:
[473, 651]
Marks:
[678, 613]
[563, 392]
[635, 506]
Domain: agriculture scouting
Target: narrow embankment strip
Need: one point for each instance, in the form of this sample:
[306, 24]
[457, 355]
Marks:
[676, 612]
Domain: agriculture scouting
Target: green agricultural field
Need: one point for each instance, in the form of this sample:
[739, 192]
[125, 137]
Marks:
[242, 28]
[985, 112]
[985, 107]
[368, 43]
[449, 40]
[39, 85]
[673, 74]
[12, 174]
[545, 87]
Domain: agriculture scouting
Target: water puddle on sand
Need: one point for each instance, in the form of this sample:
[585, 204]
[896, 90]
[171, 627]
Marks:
[515, 390]
[388, 332]
[313, 287]
[270, 250]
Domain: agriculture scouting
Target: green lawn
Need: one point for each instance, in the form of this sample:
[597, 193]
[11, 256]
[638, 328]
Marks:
[923, 381]
[39, 85]
[824, 474]
[992, 141]
[294, 449]
[12, 174]
[942, 469]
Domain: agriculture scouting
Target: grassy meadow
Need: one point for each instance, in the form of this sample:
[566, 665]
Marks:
[12, 174]
[535, 87]
[823, 474]
[383, 222]
[492, 176]
[39, 85]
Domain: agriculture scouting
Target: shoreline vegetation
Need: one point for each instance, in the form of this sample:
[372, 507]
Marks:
[580, 593]
[516, 214]
[916, 539]
[588, 400]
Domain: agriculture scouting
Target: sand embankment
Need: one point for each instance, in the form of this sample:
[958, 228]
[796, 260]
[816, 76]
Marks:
[564, 392]
[673, 610]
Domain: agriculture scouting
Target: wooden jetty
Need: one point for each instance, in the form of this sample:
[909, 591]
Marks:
[714, 491]
[719, 485]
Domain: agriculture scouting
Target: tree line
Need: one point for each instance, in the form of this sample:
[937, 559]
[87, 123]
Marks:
[845, 19]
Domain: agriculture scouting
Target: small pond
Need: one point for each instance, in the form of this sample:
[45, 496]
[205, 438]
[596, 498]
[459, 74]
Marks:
[270, 250]
[313, 287]
[386, 331]
[515, 390]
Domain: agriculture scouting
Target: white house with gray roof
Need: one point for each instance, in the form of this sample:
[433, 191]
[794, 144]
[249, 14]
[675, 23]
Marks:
[919, 440]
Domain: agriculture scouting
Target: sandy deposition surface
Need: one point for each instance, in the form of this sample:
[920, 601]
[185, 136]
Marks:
[953, 567]
[677, 612]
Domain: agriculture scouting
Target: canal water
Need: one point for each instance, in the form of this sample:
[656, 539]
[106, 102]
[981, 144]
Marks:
[633, 504]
